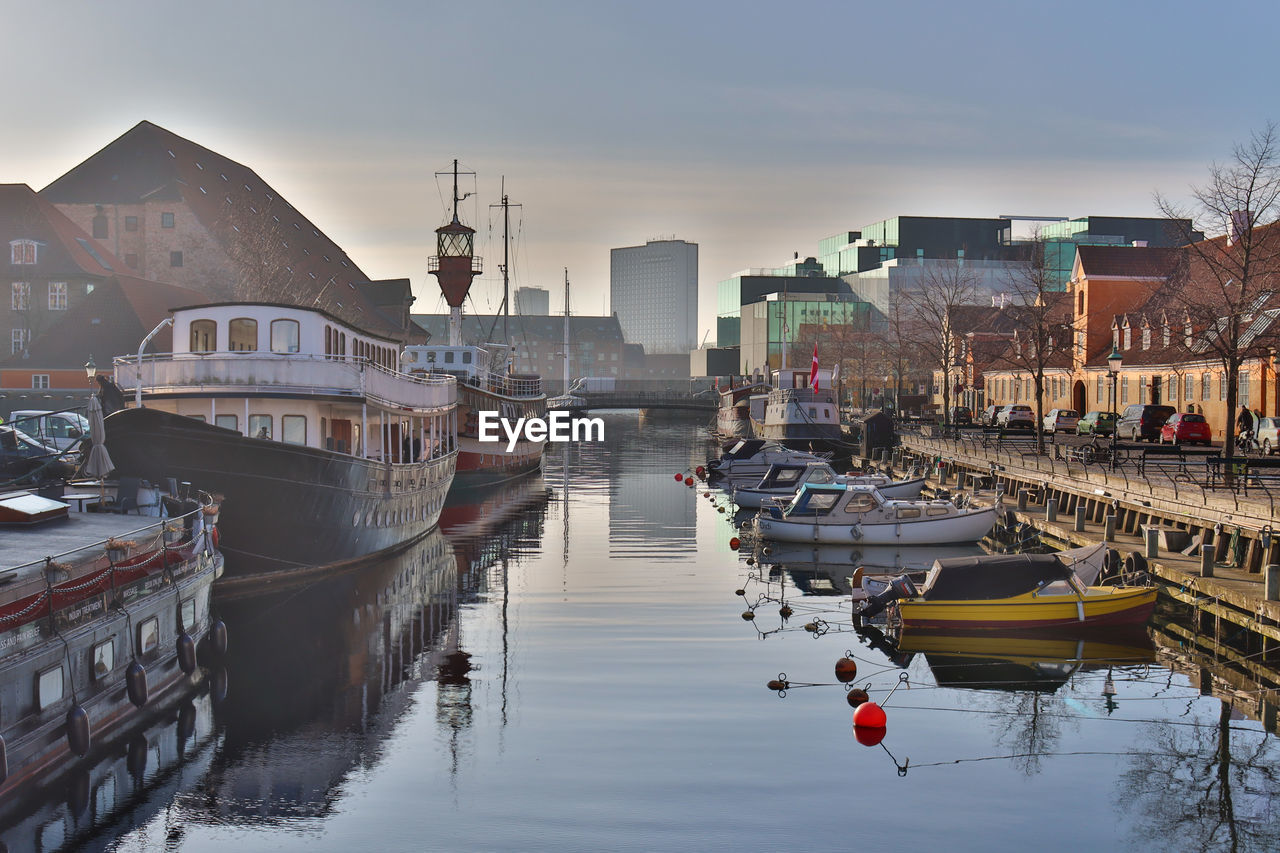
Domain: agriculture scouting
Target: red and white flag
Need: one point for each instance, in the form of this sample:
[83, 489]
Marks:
[813, 371]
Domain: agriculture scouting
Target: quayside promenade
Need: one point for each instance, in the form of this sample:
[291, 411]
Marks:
[1208, 538]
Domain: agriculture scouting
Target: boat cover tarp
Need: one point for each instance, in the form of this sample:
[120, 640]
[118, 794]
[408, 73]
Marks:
[745, 449]
[991, 576]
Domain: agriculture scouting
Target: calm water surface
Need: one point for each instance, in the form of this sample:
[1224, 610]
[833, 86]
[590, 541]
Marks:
[567, 667]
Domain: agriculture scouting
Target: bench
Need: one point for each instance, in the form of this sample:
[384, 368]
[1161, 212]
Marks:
[1240, 472]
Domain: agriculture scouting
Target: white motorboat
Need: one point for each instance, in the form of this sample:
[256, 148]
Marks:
[784, 479]
[746, 461]
[839, 514]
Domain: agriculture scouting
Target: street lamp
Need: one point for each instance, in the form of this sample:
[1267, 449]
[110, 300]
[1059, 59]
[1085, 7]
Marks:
[1114, 362]
[90, 370]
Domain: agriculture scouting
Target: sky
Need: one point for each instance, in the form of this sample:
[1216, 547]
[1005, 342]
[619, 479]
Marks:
[752, 129]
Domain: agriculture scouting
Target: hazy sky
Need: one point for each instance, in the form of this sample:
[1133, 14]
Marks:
[752, 129]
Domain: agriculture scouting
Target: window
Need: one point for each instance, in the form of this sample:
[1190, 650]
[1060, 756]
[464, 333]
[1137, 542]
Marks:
[175, 259]
[1204, 386]
[1244, 389]
[260, 426]
[466, 357]
[50, 687]
[226, 422]
[1099, 399]
[294, 428]
[18, 340]
[148, 635]
[100, 227]
[20, 296]
[1222, 387]
[187, 614]
[57, 296]
[131, 223]
[284, 335]
[39, 381]
[104, 658]
[448, 358]
[166, 220]
[242, 335]
[860, 502]
[1124, 390]
[204, 336]
[22, 252]
[1146, 337]
[1188, 387]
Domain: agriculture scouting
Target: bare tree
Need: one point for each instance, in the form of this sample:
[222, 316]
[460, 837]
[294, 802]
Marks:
[1041, 330]
[930, 325]
[256, 243]
[1227, 280]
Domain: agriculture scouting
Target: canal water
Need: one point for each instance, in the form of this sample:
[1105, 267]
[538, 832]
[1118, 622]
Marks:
[569, 665]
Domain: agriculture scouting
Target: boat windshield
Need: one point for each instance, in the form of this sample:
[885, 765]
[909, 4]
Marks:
[813, 503]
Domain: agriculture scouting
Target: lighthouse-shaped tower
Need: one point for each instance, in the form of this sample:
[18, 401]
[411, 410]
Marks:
[455, 263]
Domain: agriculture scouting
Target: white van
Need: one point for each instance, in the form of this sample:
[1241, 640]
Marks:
[62, 430]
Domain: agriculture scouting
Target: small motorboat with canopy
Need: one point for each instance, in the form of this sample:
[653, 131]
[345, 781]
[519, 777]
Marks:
[785, 478]
[840, 513]
[1014, 591]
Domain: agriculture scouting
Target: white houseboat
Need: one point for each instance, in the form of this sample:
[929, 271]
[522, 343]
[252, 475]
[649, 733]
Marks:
[799, 417]
[323, 450]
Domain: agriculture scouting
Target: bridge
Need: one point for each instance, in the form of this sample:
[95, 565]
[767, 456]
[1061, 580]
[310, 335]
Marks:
[670, 400]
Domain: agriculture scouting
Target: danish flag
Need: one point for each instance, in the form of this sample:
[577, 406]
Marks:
[813, 371]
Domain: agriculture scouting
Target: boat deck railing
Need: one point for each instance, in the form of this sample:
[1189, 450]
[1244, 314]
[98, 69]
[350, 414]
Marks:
[800, 395]
[285, 373]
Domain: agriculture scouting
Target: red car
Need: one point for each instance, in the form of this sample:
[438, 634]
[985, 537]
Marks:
[1184, 426]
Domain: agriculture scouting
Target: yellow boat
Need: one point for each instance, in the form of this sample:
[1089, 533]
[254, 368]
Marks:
[1016, 591]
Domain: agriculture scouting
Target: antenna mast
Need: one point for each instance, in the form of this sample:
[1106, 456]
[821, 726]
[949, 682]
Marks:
[506, 206]
[566, 330]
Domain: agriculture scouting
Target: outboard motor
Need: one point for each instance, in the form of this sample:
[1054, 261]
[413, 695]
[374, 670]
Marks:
[899, 587]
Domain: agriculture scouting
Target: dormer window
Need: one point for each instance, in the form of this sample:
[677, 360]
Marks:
[22, 252]
[1146, 337]
[1115, 338]
[1128, 338]
[1165, 333]
[1186, 335]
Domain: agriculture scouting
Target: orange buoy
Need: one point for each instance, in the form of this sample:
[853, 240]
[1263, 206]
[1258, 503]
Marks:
[700, 471]
[869, 715]
[856, 696]
[868, 735]
[734, 543]
[846, 670]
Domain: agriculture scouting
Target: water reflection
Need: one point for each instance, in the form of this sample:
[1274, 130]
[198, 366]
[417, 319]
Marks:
[322, 672]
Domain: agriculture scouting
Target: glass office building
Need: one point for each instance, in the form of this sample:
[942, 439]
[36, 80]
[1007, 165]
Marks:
[654, 291]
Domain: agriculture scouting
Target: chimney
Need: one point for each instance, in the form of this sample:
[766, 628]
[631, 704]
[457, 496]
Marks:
[1240, 223]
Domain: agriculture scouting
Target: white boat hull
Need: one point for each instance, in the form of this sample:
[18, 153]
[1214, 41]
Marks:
[966, 526]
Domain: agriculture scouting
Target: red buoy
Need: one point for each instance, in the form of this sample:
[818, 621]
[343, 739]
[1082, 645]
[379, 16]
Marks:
[734, 543]
[846, 670]
[870, 715]
[868, 736]
[856, 697]
[679, 477]
[688, 481]
[700, 471]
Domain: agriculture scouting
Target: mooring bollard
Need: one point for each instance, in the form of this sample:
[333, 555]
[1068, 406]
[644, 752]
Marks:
[1079, 526]
[942, 474]
[1022, 500]
[1206, 560]
[1051, 509]
[1109, 530]
[961, 477]
[1152, 537]
[1273, 582]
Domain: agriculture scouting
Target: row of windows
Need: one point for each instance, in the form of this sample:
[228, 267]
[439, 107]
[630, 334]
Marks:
[243, 335]
[335, 345]
[20, 296]
[130, 224]
[51, 684]
[293, 428]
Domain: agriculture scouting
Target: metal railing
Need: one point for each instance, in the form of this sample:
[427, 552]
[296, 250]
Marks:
[284, 372]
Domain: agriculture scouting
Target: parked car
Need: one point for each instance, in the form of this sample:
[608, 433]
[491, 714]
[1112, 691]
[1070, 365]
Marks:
[1016, 417]
[989, 414]
[1142, 421]
[20, 454]
[1097, 423]
[1061, 420]
[1268, 435]
[961, 416]
[1186, 427]
[62, 430]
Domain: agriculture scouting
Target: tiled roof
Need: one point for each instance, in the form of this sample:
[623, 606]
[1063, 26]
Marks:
[108, 322]
[1127, 261]
[64, 249]
[147, 163]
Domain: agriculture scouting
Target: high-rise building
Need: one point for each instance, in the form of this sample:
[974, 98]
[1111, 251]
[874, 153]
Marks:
[653, 290]
[532, 300]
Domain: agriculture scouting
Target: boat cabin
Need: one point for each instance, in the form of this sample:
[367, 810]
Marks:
[294, 375]
[839, 501]
[789, 476]
[486, 367]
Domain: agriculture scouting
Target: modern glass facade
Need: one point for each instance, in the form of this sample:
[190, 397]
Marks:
[768, 323]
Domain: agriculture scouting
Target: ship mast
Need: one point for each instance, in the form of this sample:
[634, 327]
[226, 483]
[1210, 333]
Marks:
[506, 206]
[455, 264]
[566, 330]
